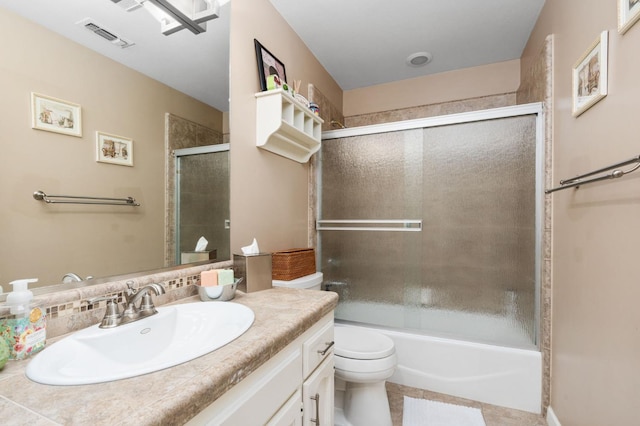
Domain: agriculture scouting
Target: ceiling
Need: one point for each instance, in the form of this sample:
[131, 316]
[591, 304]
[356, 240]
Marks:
[359, 42]
[197, 65]
[366, 42]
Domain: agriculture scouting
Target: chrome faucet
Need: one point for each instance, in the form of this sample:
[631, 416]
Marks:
[113, 317]
[70, 277]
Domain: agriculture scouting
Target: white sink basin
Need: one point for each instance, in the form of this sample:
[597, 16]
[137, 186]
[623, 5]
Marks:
[174, 335]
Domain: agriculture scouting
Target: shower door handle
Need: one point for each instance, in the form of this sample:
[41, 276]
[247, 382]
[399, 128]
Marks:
[402, 225]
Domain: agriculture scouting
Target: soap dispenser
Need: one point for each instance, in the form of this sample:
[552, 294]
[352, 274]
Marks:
[20, 298]
[22, 322]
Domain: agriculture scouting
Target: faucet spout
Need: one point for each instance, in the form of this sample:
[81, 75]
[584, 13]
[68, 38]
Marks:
[132, 312]
[157, 289]
[71, 277]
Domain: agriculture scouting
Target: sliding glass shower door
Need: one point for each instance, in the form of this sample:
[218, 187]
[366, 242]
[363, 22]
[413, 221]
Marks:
[202, 195]
[434, 229]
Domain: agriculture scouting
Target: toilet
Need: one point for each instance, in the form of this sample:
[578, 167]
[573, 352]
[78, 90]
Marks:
[364, 360]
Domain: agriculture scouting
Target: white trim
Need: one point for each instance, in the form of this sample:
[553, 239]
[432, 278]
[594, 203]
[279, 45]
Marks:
[441, 120]
[552, 420]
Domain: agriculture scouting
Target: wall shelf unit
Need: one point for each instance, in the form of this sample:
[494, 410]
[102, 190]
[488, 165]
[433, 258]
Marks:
[286, 127]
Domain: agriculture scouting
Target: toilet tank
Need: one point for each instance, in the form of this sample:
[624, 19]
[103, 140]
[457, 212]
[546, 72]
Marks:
[308, 282]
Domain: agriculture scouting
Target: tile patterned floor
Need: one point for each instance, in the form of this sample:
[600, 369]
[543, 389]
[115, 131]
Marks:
[493, 415]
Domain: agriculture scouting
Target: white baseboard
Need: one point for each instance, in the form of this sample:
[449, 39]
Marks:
[552, 420]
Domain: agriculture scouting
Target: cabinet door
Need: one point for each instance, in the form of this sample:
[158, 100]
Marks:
[291, 412]
[317, 396]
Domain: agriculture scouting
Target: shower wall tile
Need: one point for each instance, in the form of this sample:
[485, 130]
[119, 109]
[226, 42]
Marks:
[424, 111]
[328, 111]
[534, 85]
[537, 86]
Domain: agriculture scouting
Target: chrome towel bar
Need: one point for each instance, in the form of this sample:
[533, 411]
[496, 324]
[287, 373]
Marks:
[74, 199]
[615, 173]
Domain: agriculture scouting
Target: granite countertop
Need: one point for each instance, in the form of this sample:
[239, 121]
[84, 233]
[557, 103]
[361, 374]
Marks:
[175, 395]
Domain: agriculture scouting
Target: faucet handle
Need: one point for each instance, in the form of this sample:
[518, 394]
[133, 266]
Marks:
[110, 298]
[146, 305]
[112, 314]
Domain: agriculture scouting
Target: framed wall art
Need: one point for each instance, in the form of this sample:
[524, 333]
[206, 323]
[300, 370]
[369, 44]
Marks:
[590, 76]
[628, 14]
[114, 149]
[55, 115]
[268, 65]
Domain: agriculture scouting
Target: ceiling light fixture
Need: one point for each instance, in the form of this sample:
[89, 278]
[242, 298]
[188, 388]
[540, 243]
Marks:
[175, 15]
[419, 59]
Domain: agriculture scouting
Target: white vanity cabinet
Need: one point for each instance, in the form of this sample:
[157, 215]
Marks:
[282, 392]
[317, 389]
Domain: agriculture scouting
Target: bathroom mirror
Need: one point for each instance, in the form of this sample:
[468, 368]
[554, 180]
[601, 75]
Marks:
[182, 74]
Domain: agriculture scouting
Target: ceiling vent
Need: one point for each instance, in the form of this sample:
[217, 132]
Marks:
[109, 35]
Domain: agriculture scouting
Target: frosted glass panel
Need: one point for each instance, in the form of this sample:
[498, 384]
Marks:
[471, 272]
[203, 195]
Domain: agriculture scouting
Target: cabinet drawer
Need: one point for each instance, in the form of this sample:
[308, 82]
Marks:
[317, 348]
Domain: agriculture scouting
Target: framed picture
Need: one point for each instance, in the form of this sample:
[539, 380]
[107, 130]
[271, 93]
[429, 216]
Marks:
[628, 14]
[114, 149]
[590, 76]
[268, 65]
[55, 115]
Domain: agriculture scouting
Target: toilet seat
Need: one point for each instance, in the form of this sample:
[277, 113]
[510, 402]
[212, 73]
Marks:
[363, 352]
[370, 366]
[361, 344]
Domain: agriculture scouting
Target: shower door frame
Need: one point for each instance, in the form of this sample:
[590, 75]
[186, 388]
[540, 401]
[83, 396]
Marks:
[466, 117]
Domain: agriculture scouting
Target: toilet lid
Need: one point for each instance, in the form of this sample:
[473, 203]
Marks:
[356, 343]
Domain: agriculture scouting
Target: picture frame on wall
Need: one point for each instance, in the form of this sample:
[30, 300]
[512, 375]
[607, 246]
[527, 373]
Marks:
[628, 14]
[589, 84]
[55, 115]
[114, 149]
[268, 65]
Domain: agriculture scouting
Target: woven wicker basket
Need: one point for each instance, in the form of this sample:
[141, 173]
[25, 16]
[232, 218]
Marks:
[290, 264]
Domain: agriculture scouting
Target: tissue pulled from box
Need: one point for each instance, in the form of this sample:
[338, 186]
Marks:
[201, 245]
[251, 249]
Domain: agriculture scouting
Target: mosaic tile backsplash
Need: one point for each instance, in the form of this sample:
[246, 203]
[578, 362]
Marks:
[69, 311]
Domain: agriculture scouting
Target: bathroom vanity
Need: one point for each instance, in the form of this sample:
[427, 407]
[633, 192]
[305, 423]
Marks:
[265, 376]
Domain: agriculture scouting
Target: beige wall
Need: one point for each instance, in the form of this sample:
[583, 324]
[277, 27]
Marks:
[46, 241]
[595, 320]
[268, 193]
[475, 82]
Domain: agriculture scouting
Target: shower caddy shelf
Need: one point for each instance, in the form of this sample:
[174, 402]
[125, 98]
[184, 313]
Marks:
[286, 127]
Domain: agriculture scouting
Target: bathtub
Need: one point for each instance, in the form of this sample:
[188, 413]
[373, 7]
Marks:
[503, 376]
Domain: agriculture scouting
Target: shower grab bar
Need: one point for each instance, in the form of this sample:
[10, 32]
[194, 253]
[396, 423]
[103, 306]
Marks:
[74, 199]
[406, 225]
[616, 173]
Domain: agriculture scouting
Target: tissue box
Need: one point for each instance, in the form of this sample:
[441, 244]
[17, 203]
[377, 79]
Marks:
[197, 256]
[255, 269]
[294, 263]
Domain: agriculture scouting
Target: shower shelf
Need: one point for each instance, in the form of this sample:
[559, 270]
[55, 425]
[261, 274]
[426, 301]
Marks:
[286, 127]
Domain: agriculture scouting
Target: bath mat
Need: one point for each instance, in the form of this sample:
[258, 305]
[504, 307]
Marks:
[422, 412]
